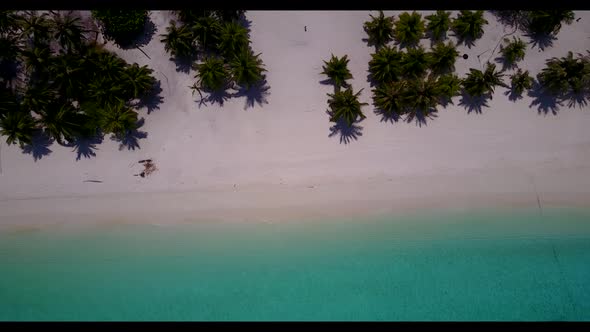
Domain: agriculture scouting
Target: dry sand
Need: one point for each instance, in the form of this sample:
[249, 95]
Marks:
[277, 161]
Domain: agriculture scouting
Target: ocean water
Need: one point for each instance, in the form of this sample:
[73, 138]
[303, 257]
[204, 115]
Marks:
[487, 265]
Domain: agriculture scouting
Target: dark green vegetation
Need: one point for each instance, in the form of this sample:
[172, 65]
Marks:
[438, 25]
[548, 22]
[216, 43]
[379, 29]
[468, 26]
[122, 26]
[57, 83]
[513, 51]
[567, 78]
[483, 83]
[520, 81]
[344, 104]
[409, 29]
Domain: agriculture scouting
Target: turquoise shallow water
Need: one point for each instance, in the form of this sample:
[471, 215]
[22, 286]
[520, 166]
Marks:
[512, 265]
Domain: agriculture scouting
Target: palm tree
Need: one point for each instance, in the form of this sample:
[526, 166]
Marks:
[421, 95]
[379, 29]
[38, 97]
[189, 17]
[105, 91]
[565, 74]
[547, 22]
[60, 121]
[212, 74]
[337, 70]
[233, 38]
[389, 97]
[178, 41]
[68, 31]
[37, 59]
[67, 73]
[409, 28]
[35, 28]
[449, 86]
[442, 58]
[117, 119]
[206, 30]
[385, 65]
[110, 66]
[18, 127]
[521, 81]
[138, 80]
[478, 83]
[246, 68]
[468, 25]
[438, 24]
[514, 51]
[345, 106]
[414, 62]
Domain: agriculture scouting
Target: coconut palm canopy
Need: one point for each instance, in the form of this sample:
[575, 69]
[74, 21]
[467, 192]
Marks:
[345, 106]
[212, 74]
[409, 28]
[442, 58]
[513, 51]
[414, 62]
[478, 83]
[337, 70]
[247, 69]
[566, 74]
[468, 26]
[74, 87]
[547, 22]
[178, 40]
[438, 24]
[389, 98]
[520, 81]
[385, 65]
[379, 29]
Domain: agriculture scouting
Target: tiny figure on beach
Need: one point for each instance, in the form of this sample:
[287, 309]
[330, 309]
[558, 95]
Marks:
[578, 19]
[149, 168]
[305, 28]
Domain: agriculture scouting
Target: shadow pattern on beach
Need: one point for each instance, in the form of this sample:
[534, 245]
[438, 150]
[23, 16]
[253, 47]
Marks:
[131, 138]
[39, 146]
[347, 132]
[141, 40]
[152, 99]
[548, 103]
[421, 117]
[86, 146]
[474, 103]
[255, 95]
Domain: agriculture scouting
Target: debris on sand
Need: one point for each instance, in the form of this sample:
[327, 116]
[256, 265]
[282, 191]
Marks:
[149, 168]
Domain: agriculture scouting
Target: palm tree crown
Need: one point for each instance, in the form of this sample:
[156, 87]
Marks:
[438, 24]
[469, 25]
[247, 69]
[345, 106]
[337, 70]
[409, 28]
[385, 64]
[379, 29]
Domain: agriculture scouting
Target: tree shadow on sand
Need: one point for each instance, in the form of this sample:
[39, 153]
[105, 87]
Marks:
[143, 39]
[152, 99]
[215, 96]
[39, 146]
[255, 94]
[184, 64]
[513, 95]
[421, 117]
[131, 138]
[386, 116]
[474, 103]
[469, 42]
[85, 146]
[506, 65]
[347, 132]
[543, 101]
[541, 41]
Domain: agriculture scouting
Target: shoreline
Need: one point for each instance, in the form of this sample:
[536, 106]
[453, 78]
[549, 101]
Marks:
[278, 159]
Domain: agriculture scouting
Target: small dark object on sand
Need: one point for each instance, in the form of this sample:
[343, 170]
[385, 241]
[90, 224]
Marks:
[305, 28]
[465, 56]
[145, 161]
[95, 181]
[578, 19]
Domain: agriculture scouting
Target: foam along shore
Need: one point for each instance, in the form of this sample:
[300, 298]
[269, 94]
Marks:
[273, 155]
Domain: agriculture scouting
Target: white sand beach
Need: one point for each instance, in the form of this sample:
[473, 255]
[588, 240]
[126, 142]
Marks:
[277, 161]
